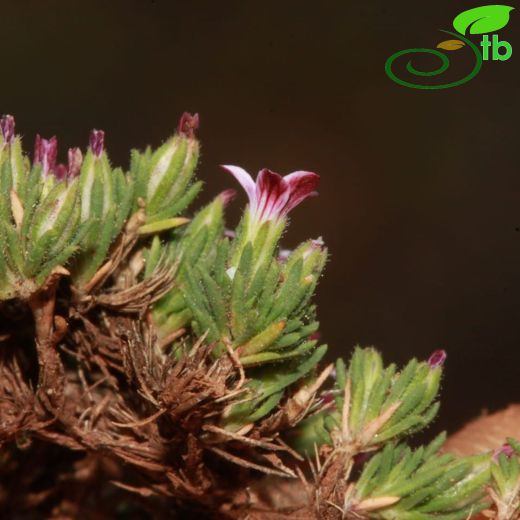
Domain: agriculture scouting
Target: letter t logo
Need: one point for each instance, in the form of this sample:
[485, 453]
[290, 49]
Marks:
[485, 44]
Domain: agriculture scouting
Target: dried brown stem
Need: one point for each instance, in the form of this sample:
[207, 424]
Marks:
[51, 377]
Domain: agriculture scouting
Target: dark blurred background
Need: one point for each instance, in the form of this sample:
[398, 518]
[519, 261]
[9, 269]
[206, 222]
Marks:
[420, 195]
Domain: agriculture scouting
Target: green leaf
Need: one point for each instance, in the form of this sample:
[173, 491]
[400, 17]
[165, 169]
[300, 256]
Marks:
[97, 198]
[37, 253]
[177, 206]
[481, 20]
[263, 340]
[65, 253]
[45, 214]
[268, 384]
[267, 357]
[13, 253]
[101, 233]
[31, 198]
[173, 170]
[265, 407]
[428, 485]
[5, 188]
[162, 225]
[239, 326]
[124, 195]
[215, 300]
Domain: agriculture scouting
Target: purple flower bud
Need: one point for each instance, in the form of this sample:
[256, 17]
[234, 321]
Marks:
[188, 123]
[229, 233]
[437, 359]
[7, 128]
[45, 153]
[318, 243]
[228, 196]
[327, 397]
[60, 171]
[507, 450]
[315, 336]
[75, 160]
[97, 142]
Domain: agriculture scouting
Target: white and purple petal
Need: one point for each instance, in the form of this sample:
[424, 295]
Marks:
[246, 181]
[302, 184]
[271, 193]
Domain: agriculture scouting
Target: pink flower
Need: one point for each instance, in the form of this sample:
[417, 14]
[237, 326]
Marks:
[273, 196]
[45, 153]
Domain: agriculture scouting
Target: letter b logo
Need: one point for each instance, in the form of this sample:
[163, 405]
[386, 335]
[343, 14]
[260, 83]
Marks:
[505, 53]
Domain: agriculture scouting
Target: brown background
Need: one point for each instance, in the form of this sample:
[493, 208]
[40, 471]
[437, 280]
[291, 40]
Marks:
[420, 194]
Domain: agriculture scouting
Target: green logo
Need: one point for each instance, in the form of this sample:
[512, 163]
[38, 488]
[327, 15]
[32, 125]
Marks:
[480, 20]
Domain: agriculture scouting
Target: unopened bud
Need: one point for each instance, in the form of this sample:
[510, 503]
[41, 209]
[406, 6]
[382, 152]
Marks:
[314, 245]
[437, 359]
[284, 254]
[7, 125]
[75, 158]
[45, 153]
[97, 142]
[315, 336]
[228, 196]
[506, 449]
[188, 123]
[60, 172]
[314, 254]
[173, 165]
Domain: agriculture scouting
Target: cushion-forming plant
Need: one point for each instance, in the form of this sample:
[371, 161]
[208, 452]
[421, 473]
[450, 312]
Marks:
[156, 364]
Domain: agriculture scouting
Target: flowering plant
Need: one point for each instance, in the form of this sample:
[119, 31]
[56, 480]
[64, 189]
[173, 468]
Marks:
[174, 364]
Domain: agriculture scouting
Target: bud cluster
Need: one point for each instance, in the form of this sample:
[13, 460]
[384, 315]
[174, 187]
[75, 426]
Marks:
[69, 215]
